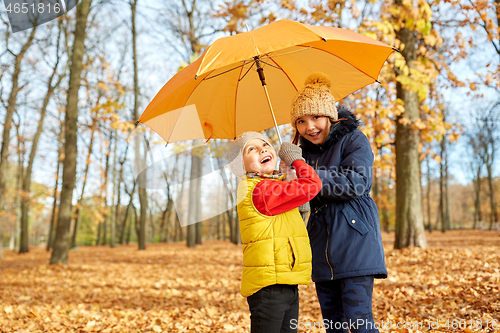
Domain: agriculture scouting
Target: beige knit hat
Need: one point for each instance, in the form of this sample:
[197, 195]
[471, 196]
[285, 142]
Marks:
[315, 99]
[235, 154]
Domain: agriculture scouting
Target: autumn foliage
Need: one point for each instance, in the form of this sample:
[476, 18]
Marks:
[170, 288]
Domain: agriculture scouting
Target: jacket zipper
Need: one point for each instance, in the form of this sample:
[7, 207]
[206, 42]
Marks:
[327, 231]
[316, 168]
[326, 252]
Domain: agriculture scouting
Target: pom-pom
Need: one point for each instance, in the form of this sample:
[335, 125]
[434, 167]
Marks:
[319, 79]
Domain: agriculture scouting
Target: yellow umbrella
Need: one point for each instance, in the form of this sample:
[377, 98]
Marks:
[223, 87]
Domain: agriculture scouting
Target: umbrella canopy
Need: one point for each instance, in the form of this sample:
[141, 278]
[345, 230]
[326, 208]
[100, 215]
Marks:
[225, 88]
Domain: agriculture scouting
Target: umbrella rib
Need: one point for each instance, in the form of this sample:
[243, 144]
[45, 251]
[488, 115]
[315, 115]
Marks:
[272, 65]
[284, 72]
[247, 71]
[229, 70]
[282, 54]
[235, 100]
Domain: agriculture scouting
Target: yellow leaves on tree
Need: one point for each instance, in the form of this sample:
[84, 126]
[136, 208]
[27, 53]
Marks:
[237, 12]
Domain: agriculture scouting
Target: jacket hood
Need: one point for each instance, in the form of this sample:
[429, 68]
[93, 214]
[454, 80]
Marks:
[336, 132]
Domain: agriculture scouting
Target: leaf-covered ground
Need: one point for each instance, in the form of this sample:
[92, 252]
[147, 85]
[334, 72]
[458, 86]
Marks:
[169, 288]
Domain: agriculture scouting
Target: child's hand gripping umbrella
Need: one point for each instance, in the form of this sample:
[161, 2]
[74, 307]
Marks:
[223, 84]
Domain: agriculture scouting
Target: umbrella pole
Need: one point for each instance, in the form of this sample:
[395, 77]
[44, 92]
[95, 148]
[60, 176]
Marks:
[272, 112]
[262, 78]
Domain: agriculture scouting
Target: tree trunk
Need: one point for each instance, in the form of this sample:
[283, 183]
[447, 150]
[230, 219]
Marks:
[375, 182]
[497, 5]
[386, 220]
[194, 213]
[143, 199]
[98, 237]
[60, 253]
[117, 211]
[26, 187]
[443, 185]
[177, 230]
[179, 235]
[50, 243]
[167, 217]
[142, 191]
[164, 232]
[236, 236]
[493, 214]
[447, 196]
[477, 214]
[11, 107]
[136, 225]
[1, 244]
[85, 177]
[229, 212]
[161, 233]
[409, 219]
[129, 231]
[112, 241]
[129, 228]
[124, 223]
[199, 232]
[219, 217]
[191, 235]
[441, 189]
[105, 190]
[429, 187]
[20, 195]
[153, 228]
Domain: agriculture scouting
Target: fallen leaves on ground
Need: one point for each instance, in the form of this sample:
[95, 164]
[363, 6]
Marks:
[170, 288]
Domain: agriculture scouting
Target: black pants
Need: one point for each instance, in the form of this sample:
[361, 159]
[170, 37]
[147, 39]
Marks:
[346, 304]
[273, 307]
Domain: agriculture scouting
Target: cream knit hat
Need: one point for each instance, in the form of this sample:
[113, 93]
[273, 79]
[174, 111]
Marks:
[235, 154]
[314, 99]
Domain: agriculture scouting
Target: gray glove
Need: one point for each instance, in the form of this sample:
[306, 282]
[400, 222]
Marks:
[289, 153]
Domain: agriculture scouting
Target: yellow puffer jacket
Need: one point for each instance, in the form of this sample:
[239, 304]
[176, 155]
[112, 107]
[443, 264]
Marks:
[276, 248]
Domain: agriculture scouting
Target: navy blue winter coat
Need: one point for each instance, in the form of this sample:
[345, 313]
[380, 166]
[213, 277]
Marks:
[344, 227]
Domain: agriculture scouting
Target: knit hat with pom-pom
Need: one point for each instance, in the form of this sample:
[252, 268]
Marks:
[235, 154]
[314, 99]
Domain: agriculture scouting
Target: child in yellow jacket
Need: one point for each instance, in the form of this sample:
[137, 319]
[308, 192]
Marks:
[276, 249]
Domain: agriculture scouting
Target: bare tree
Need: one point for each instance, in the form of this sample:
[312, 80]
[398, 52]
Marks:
[194, 214]
[114, 207]
[444, 205]
[475, 167]
[108, 144]
[121, 230]
[60, 154]
[482, 143]
[143, 199]
[53, 83]
[61, 245]
[428, 193]
[77, 214]
[125, 237]
[10, 107]
[489, 123]
[187, 21]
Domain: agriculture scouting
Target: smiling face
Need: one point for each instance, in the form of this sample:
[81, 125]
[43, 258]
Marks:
[314, 128]
[259, 156]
